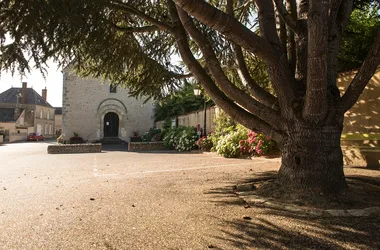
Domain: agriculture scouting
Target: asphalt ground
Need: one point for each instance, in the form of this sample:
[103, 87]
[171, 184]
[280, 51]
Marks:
[117, 199]
[152, 200]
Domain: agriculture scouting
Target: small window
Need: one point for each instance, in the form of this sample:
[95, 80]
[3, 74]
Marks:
[41, 114]
[48, 115]
[112, 88]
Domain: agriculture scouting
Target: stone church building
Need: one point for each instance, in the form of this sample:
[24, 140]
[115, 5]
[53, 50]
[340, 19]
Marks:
[97, 111]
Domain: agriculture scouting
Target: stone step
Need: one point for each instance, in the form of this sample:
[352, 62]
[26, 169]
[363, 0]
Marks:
[111, 140]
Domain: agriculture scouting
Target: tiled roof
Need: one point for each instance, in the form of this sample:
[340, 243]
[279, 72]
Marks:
[7, 115]
[32, 97]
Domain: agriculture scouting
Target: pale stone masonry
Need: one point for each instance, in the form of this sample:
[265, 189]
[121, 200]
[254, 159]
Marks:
[92, 111]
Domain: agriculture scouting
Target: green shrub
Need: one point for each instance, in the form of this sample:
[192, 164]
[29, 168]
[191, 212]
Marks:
[154, 134]
[205, 143]
[181, 138]
[224, 125]
[228, 145]
[170, 138]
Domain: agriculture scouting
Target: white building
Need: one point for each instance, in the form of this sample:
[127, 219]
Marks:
[96, 110]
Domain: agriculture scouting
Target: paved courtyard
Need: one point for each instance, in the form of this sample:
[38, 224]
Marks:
[128, 200]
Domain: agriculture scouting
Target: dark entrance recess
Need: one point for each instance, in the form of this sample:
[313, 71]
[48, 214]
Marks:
[111, 125]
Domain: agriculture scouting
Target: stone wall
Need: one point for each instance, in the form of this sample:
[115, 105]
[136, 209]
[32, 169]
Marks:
[139, 146]
[74, 148]
[87, 100]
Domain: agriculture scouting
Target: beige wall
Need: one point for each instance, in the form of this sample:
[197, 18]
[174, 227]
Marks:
[364, 116]
[46, 122]
[13, 133]
[86, 101]
[195, 118]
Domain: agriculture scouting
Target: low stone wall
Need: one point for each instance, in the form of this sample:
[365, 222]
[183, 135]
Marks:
[74, 148]
[361, 153]
[139, 146]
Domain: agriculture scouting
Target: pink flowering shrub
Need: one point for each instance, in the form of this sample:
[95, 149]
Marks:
[205, 143]
[256, 144]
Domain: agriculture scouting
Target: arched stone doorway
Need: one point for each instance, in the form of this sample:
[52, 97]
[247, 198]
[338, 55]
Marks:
[111, 125]
[112, 105]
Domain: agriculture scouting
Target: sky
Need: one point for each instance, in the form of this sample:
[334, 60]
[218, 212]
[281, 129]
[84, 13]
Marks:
[35, 80]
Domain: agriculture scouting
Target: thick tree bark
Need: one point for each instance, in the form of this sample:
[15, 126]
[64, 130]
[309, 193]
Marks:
[312, 160]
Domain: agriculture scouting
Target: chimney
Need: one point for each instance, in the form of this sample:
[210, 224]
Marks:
[44, 94]
[23, 92]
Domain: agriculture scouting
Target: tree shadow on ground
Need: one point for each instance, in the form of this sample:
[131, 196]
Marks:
[276, 228]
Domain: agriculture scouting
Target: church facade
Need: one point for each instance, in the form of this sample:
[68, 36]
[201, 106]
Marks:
[95, 110]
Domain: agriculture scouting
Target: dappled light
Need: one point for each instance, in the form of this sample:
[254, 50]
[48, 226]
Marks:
[361, 130]
[259, 227]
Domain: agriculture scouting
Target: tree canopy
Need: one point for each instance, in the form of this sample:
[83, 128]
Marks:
[132, 43]
[181, 102]
[358, 36]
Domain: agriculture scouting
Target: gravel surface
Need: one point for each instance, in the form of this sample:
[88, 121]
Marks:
[128, 200]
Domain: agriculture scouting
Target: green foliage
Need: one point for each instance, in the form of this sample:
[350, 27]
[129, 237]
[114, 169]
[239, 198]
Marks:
[359, 35]
[181, 138]
[154, 134]
[95, 37]
[232, 140]
[223, 126]
[167, 124]
[181, 102]
[205, 143]
[228, 145]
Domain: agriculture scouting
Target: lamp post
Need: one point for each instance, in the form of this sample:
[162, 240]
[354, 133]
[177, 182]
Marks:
[198, 92]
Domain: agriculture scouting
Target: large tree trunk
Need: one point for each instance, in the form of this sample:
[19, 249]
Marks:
[312, 160]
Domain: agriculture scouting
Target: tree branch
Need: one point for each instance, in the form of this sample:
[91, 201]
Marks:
[257, 91]
[343, 15]
[133, 29]
[236, 112]
[291, 44]
[132, 10]
[279, 69]
[363, 76]
[315, 107]
[263, 112]
[267, 21]
[183, 76]
[288, 18]
[228, 26]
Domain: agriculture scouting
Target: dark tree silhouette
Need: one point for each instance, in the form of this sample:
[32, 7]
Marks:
[132, 43]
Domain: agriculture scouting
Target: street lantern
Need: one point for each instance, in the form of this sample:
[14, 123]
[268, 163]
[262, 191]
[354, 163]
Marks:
[198, 92]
